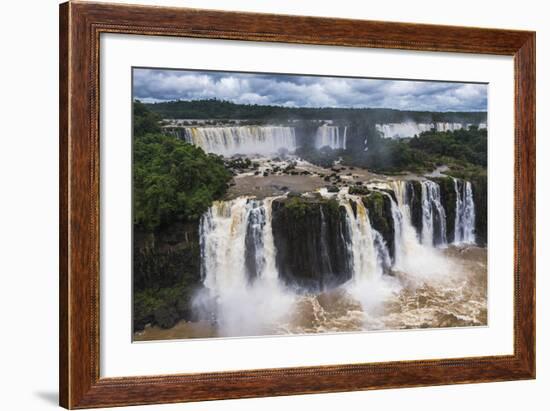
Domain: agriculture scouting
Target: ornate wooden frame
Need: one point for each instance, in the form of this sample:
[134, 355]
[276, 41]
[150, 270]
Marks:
[80, 27]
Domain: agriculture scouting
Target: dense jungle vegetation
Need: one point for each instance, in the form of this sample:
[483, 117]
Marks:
[173, 180]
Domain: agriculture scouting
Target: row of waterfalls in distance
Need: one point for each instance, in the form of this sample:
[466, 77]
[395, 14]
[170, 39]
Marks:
[228, 141]
[410, 129]
[262, 140]
[332, 136]
[266, 140]
[259, 254]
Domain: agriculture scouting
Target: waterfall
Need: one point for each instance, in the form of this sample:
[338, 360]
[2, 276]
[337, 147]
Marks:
[269, 272]
[243, 294]
[400, 130]
[238, 247]
[465, 213]
[222, 243]
[366, 246]
[237, 244]
[383, 254]
[410, 129]
[406, 239]
[330, 136]
[418, 259]
[434, 223]
[254, 239]
[448, 126]
[227, 141]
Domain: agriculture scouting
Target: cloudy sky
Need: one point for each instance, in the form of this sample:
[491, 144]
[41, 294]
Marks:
[152, 85]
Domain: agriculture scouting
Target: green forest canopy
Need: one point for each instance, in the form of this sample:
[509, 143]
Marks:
[219, 109]
[173, 180]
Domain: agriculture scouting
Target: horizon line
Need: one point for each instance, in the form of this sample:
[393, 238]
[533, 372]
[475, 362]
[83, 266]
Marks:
[308, 107]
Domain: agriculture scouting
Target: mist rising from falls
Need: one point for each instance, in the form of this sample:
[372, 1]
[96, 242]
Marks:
[410, 129]
[227, 141]
[330, 136]
[465, 213]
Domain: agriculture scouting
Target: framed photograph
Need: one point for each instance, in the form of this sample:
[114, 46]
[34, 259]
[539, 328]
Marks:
[259, 205]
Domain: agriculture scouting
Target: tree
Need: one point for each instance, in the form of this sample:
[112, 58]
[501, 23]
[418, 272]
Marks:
[174, 180]
[145, 121]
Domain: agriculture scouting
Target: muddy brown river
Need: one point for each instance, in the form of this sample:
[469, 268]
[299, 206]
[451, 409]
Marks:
[455, 299]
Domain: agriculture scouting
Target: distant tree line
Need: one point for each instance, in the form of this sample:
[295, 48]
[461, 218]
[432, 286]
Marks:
[220, 109]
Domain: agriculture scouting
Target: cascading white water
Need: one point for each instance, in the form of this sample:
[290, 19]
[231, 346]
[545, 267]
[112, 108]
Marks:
[406, 239]
[383, 254]
[243, 305]
[365, 255]
[225, 230]
[419, 260]
[222, 238]
[227, 141]
[465, 213]
[448, 126]
[410, 129]
[330, 136]
[367, 249]
[237, 235]
[400, 130]
[434, 222]
[369, 256]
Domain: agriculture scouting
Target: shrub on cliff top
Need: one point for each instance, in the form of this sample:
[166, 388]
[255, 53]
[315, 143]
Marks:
[296, 206]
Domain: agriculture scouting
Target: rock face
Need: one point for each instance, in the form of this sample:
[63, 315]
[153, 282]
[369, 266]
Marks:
[479, 188]
[448, 201]
[380, 215]
[166, 271]
[414, 199]
[305, 134]
[310, 237]
[165, 257]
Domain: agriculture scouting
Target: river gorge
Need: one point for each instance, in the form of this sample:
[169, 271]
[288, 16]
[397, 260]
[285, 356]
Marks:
[296, 247]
